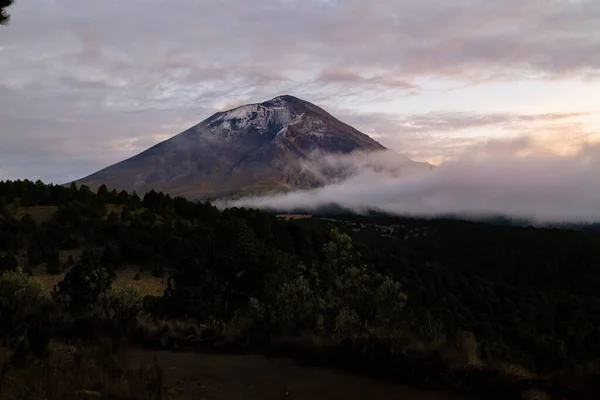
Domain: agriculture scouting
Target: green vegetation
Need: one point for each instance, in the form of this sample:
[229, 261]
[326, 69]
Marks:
[392, 293]
[529, 295]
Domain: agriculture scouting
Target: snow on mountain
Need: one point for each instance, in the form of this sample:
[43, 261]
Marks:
[251, 149]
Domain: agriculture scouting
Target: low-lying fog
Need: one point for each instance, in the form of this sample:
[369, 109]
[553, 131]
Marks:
[512, 178]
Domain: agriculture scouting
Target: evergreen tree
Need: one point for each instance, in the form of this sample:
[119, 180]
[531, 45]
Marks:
[125, 215]
[86, 282]
[34, 254]
[3, 206]
[8, 262]
[112, 256]
[123, 197]
[53, 266]
[102, 193]
[134, 201]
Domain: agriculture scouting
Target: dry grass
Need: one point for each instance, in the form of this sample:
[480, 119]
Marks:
[49, 280]
[148, 284]
[114, 208]
[289, 217]
[40, 214]
[179, 329]
[82, 372]
[514, 370]
[63, 255]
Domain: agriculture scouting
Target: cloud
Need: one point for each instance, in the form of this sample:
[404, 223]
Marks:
[443, 135]
[346, 77]
[335, 168]
[84, 77]
[448, 121]
[510, 178]
[408, 38]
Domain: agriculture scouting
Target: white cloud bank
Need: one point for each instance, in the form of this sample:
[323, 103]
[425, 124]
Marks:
[512, 179]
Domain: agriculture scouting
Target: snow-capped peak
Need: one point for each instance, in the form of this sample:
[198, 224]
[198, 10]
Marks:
[261, 118]
[240, 112]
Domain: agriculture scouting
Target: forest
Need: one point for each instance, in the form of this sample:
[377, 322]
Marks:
[440, 295]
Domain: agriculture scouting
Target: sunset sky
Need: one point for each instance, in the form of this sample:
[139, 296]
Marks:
[87, 83]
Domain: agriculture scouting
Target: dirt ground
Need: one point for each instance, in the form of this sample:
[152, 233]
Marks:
[193, 376]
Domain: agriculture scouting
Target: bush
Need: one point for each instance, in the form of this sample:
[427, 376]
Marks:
[8, 262]
[84, 372]
[125, 303]
[34, 256]
[20, 287]
[20, 297]
[38, 337]
[54, 268]
[158, 271]
[154, 305]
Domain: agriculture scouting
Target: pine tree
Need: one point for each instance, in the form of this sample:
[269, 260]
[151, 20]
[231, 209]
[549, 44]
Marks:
[53, 266]
[8, 262]
[34, 254]
[102, 192]
[86, 282]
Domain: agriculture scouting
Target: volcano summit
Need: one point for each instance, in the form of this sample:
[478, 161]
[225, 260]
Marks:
[251, 149]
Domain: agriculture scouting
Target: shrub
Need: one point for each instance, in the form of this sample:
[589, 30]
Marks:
[20, 297]
[22, 288]
[158, 271]
[53, 267]
[38, 337]
[84, 372]
[34, 255]
[8, 262]
[154, 305]
[125, 303]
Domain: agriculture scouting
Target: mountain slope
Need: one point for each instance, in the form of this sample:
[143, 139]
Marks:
[250, 149]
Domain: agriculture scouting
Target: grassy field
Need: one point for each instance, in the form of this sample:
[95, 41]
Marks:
[40, 214]
[289, 217]
[148, 284]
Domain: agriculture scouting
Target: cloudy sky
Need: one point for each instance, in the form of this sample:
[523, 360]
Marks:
[84, 84]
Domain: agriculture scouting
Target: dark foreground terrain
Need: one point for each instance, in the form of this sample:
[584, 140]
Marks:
[443, 306]
[226, 377]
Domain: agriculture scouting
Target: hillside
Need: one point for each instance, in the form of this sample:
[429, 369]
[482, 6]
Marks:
[437, 304]
[251, 149]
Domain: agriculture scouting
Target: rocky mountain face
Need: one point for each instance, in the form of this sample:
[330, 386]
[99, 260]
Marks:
[251, 149]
